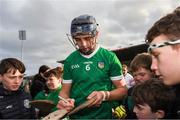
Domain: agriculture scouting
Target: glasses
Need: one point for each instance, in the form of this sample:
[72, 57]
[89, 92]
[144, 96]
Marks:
[171, 42]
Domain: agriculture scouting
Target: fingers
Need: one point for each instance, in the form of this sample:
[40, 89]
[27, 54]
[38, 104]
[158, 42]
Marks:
[98, 96]
[92, 95]
[69, 105]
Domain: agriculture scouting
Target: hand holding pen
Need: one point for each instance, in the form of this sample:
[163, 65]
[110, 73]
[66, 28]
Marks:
[63, 99]
[67, 104]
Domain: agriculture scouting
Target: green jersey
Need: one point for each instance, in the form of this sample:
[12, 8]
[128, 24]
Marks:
[52, 96]
[94, 72]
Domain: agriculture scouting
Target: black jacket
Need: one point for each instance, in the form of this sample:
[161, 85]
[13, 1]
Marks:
[15, 105]
[38, 85]
[176, 105]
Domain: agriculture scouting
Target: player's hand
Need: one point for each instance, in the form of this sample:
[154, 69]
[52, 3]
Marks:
[98, 96]
[66, 105]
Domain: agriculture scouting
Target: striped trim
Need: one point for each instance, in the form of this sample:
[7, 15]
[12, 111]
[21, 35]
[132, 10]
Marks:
[116, 77]
[67, 81]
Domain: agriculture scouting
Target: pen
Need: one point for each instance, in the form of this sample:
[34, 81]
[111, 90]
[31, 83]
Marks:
[63, 99]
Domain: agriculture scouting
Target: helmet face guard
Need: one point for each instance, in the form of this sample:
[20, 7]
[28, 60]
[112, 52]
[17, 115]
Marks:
[84, 25]
[84, 29]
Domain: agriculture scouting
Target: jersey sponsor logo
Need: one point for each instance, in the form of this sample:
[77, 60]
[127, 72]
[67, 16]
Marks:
[178, 112]
[101, 65]
[74, 66]
[9, 106]
[26, 103]
[1, 97]
[89, 62]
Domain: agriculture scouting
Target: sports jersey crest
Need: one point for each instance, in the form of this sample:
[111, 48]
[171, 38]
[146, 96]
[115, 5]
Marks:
[101, 65]
[26, 103]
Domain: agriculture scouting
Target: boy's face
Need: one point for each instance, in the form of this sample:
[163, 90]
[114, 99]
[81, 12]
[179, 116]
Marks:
[124, 70]
[144, 112]
[53, 82]
[142, 75]
[12, 81]
[166, 61]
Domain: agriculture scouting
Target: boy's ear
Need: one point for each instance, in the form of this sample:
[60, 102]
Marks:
[160, 114]
[0, 77]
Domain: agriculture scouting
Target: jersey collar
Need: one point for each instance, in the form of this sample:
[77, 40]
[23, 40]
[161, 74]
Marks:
[93, 53]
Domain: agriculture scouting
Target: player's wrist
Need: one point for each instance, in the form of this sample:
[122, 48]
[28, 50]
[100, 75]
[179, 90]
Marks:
[108, 95]
[105, 95]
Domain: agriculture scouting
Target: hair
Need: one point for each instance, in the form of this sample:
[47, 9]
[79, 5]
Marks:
[57, 72]
[43, 68]
[124, 69]
[168, 25]
[143, 60]
[154, 93]
[11, 64]
[124, 66]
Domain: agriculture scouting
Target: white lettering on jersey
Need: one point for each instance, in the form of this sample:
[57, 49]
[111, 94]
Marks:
[88, 67]
[74, 66]
[88, 63]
